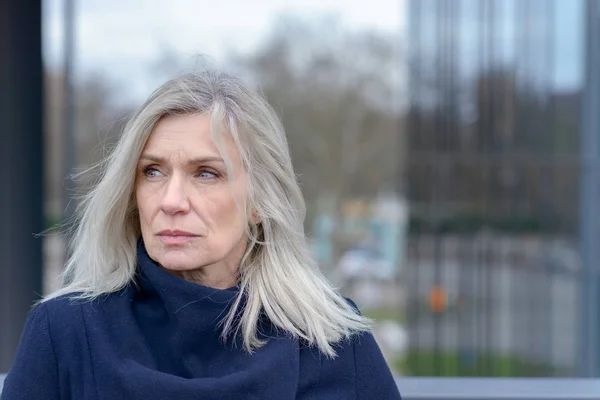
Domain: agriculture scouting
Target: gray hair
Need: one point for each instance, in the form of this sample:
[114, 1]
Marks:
[277, 275]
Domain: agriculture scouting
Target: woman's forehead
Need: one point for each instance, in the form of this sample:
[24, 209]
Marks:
[188, 138]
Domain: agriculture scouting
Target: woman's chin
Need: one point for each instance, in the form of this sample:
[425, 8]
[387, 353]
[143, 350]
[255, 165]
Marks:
[177, 263]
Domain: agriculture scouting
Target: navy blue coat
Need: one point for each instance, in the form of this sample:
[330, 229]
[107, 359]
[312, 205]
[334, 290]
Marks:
[159, 339]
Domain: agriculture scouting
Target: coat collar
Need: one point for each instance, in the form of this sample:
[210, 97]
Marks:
[177, 293]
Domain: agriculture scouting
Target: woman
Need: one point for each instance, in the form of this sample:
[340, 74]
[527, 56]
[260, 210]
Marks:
[190, 276]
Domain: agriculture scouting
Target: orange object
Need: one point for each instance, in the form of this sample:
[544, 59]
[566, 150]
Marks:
[438, 299]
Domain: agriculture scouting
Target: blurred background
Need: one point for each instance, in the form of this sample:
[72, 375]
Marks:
[447, 149]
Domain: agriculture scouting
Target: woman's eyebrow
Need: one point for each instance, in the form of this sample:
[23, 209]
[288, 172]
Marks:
[151, 157]
[195, 160]
[202, 160]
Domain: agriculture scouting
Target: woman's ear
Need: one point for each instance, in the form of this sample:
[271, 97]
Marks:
[254, 219]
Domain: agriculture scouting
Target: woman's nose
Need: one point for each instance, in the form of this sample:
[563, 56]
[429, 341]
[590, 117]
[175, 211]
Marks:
[175, 200]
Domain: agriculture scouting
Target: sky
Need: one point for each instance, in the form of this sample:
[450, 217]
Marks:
[122, 38]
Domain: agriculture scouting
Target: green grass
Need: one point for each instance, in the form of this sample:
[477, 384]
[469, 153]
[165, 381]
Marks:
[381, 314]
[444, 364]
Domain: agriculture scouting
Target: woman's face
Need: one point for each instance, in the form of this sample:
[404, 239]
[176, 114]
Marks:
[189, 214]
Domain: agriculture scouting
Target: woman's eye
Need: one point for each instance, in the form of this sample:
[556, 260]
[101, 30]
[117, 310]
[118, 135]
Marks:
[152, 172]
[207, 174]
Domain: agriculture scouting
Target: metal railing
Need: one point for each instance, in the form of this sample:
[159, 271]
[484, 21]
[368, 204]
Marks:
[492, 388]
[502, 171]
[498, 388]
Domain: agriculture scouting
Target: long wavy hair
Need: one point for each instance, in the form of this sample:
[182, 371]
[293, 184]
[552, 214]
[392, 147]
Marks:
[277, 275]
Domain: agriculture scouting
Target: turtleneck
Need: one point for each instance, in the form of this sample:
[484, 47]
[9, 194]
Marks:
[160, 338]
[180, 328]
[176, 293]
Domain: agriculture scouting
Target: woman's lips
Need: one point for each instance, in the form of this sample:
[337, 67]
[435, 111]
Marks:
[175, 237]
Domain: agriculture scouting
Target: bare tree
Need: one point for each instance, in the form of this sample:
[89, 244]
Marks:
[339, 94]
